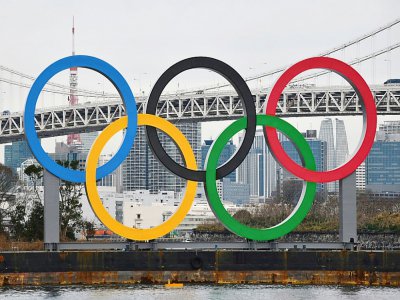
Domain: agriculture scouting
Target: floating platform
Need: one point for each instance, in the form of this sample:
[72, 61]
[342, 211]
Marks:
[218, 267]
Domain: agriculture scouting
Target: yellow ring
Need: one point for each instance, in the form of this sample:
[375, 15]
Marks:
[93, 195]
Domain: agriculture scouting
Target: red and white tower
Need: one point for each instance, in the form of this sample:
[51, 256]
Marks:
[73, 139]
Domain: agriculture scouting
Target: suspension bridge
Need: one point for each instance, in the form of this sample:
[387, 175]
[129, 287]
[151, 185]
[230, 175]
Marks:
[303, 97]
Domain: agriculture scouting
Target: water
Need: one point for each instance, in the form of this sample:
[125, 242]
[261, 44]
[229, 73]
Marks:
[194, 292]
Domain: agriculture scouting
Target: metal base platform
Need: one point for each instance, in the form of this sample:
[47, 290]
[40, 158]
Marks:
[206, 246]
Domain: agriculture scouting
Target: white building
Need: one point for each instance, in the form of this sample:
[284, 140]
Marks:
[142, 209]
[109, 198]
[360, 177]
[115, 202]
[153, 212]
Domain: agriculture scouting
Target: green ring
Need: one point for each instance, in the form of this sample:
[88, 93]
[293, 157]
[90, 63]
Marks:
[307, 196]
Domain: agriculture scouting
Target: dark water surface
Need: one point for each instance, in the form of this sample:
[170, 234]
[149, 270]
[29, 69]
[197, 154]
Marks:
[194, 292]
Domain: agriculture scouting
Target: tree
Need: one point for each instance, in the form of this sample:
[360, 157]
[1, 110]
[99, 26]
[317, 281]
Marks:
[8, 187]
[243, 216]
[34, 226]
[292, 190]
[35, 174]
[17, 221]
[70, 206]
[88, 228]
[26, 217]
[31, 227]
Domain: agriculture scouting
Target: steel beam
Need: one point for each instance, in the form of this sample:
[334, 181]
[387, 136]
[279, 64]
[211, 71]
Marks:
[250, 245]
[294, 102]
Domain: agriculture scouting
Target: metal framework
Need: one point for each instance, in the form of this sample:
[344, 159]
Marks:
[295, 101]
[250, 245]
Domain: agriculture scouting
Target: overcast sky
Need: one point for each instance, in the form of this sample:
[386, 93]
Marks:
[148, 36]
[143, 38]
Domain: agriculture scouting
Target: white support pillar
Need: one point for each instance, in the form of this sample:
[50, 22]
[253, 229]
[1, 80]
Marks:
[348, 209]
[51, 211]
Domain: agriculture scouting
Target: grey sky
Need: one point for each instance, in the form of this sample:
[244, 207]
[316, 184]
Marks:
[143, 38]
[148, 36]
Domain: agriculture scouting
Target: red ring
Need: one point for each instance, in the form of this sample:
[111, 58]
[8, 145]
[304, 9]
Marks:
[369, 119]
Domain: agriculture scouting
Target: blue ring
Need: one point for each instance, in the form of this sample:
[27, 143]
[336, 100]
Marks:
[102, 67]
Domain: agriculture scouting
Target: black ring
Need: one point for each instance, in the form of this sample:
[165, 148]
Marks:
[244, 93]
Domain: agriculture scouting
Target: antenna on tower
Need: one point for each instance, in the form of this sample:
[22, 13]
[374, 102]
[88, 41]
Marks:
[73, 35]
[73, 138]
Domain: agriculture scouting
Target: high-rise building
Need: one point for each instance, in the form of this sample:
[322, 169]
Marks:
[318, 148]
[337, 148]
[259, 169]
[226, 154]
[360, 177]
[87, 140]
[390, 127]
[141, 170]
[112, 179]
[326, 134]
[235, 192]
[389, 131]
[341, 147]
[382, 166]
[64, 152]
[16, 153]
[272, 171]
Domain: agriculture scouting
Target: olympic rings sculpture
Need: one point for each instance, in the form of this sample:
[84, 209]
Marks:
[271, 123]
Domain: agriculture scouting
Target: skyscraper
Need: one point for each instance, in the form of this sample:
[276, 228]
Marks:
[360, 177]
[238, 193]
[16, 153]
[259, 169]
[226, 154]
[141, 170]
[318, 148]
[272, 171]
[389, 131]
[390, 127]
[337, 148]
[87, 140]
[382, 169]
[326, 134]
[341, 147]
